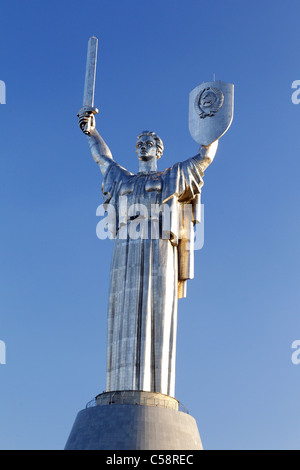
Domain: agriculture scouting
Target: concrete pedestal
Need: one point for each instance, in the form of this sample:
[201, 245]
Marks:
[134, 421]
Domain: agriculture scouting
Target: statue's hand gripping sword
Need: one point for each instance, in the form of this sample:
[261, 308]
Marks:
[89, 85]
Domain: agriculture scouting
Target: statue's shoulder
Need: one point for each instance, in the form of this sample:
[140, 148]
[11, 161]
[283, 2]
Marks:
[114, 176]
[115, 170]
[168, 172]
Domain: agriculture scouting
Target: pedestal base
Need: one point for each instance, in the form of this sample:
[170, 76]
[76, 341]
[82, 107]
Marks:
[115, 423]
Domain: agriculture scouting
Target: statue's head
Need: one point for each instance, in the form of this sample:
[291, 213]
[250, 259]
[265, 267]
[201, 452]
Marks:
[148, 146]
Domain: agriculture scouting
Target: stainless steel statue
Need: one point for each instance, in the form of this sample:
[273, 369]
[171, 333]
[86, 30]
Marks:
[149, 273]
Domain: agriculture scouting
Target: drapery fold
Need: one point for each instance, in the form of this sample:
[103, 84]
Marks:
[149, 272]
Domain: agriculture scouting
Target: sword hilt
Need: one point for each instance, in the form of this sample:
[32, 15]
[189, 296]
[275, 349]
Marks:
[87, 111]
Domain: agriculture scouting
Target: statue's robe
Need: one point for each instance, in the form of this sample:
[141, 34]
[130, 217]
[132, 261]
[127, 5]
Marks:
[149, 271]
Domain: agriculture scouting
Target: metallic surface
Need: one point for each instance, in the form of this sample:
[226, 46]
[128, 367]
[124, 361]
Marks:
[136, 397]
[90, 73]
[89, 84]
[149, 272]
[210, 111]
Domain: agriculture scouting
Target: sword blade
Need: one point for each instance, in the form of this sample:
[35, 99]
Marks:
[90, 73]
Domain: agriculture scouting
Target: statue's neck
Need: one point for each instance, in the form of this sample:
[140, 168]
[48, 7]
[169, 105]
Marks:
[151, 165]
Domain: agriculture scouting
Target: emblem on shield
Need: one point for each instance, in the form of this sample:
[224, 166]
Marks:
[210, 111]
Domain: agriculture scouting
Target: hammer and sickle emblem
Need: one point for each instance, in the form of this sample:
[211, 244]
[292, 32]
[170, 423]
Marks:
[208, 102]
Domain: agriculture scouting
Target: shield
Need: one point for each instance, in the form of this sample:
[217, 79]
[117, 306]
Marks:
[210, 111]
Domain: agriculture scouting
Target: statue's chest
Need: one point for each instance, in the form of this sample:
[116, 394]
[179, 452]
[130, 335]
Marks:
[142, 188]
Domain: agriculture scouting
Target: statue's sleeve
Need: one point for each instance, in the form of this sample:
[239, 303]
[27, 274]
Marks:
[182, 192]
[183, 180]
[114, 176]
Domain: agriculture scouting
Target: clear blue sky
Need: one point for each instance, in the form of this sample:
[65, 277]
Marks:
[234, 368]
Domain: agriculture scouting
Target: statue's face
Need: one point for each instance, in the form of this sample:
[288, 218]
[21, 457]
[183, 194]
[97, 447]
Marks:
[146, 148]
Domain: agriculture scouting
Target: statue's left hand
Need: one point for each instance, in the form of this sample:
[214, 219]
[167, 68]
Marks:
[207, 154]
[209, 151]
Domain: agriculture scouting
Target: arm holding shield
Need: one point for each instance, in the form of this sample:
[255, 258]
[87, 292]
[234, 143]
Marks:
[210, 116]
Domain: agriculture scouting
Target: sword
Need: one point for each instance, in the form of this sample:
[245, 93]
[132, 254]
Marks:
[89, 85]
